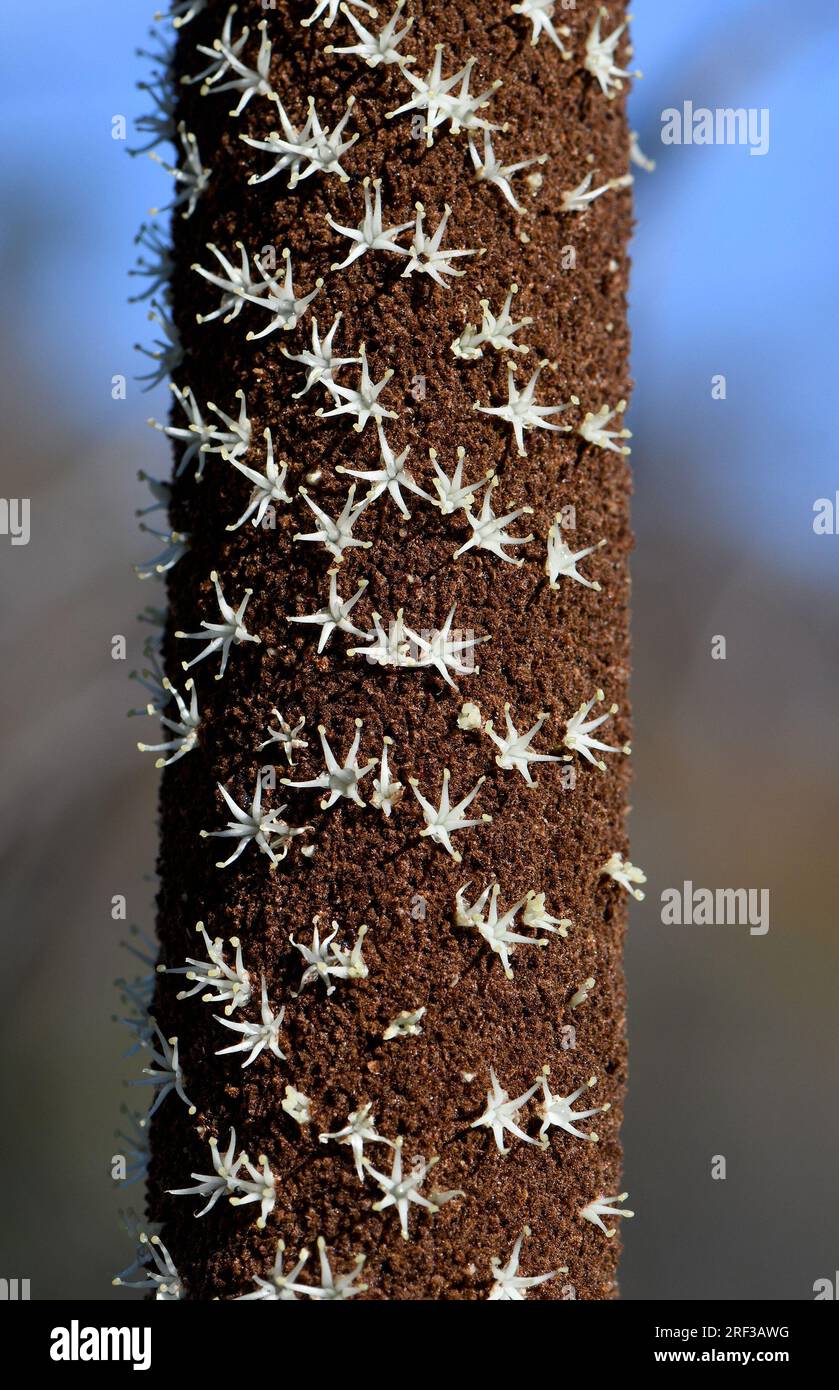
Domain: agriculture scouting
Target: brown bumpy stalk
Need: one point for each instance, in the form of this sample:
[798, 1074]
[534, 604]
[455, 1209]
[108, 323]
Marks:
[550, 648]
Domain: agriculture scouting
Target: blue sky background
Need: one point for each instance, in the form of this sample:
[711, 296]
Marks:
[733, 1038]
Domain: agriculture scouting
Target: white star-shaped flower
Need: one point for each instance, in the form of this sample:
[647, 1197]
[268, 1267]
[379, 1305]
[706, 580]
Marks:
[488, 531]
[255, 1037]
[324, 960]
[363, 402]
[510, 1286]
[328, 11]
[235, 440]
[290, 146]
[579, 728]
[238, 284]
[225, 984]
[231, 632]
[453, 495]
[561, 561]
[262, 827]
[157, 271]
[489, 170]
[516, 753]
[337, 780]
[359, 1130]
[321, 362]
[159, 1269]
[268, 486]
[175, 545]
[391, 477]
[594, 431]
[260, 1186]
[444, 649]
[501, 1111]
[166, 353]
[388, 647]
[540, 13]
[442, 821]
[196, 434]
[624, 873]
[222, 1182]
[400, 1189]
[320, 150]
[332, 1289]
[184, 730]
[604, 1206]
[535, 915]
[370, 235]
[494, 331]
[424, 254]
[217, 54]
[599, 57]
[279, 1287]
[191, 177]
[166, 1072]
[557, 1111]
[521, 410]
[279, 300]
[335, 616]
[248, 82]
[578, 199]
[285, 736]
[387, 790]
[335, 535]
[496, 931]
[381, 48]
[436, 96]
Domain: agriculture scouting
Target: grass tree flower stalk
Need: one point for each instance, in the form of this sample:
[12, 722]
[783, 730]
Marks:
[351, 1093]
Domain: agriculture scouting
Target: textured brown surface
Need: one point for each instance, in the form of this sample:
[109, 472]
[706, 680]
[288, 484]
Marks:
[549, 651]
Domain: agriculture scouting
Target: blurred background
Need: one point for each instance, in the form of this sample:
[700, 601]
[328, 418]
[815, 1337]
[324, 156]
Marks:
[733, 1036]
